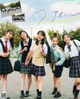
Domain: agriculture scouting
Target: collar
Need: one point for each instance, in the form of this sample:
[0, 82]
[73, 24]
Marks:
[26, 41]
[55, 47]
[70, 42]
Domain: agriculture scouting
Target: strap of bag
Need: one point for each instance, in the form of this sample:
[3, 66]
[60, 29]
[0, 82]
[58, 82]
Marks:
[4, 50]
[75, 45]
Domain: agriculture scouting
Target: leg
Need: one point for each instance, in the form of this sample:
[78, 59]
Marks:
[58, 84]
[22, 85]
[77, 88]
[29, 85]
[58, 94]
[23, 81]
[38, 82]
[55, 88]
[74, 87]
[0, 77]
[4, 86]
[29, 81]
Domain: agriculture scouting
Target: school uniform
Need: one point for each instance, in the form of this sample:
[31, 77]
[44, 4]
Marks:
[5, 63]
[37, 67]
[25, 69]
[72, 51]
[58, 57]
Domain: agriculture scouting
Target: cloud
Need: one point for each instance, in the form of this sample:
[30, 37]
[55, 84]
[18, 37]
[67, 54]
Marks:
[66, 7]
[27, 9]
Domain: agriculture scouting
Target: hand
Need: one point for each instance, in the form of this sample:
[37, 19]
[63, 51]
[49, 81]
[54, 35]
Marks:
[5, 54]
[25, 49]
[47, 31]
[26, 63]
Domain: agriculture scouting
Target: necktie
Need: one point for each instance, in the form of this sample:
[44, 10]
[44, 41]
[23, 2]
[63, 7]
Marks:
[69, 48]
[6, 46]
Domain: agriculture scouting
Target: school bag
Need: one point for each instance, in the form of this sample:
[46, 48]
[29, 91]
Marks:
[48, 56]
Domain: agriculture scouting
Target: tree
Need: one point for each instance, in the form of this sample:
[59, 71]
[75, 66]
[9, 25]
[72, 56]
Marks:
[2, 6]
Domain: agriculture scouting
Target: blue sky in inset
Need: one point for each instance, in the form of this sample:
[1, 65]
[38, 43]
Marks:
[42, 14]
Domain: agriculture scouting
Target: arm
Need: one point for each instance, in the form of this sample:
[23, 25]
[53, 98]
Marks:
[21, 50]
[5, 54]
[30, 54]
[28, 58]
[62, 58]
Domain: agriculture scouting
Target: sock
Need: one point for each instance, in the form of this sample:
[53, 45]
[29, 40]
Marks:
[55, 88]
[27, 91]
[4, 92]
[58, 92]
[40, 93]
[22, 91]
[76, 94]
[37, 91]
[74, 88]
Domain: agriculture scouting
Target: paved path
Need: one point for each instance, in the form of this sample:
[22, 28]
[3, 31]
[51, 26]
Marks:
[14, 81]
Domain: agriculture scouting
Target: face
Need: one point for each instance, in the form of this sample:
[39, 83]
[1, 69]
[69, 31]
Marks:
[55, 41]
[9, 35]
[23, 35]
[66, 39]
[40, 36]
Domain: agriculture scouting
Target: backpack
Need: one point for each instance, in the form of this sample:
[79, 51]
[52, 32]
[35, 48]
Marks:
[48, 56]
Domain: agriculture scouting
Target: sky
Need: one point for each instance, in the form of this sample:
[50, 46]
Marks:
[47, 14]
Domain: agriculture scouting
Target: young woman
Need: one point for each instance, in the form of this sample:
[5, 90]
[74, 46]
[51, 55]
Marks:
[24, 48]
[59, 58]
[72, 51]
[6, 42]
[38, 51]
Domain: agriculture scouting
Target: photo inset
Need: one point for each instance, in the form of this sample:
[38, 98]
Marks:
[8, 9]
[18, 17]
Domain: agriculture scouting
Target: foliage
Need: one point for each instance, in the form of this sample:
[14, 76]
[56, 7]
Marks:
[8, 25]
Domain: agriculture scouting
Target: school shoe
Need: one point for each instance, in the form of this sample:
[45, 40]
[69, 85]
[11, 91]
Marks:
[54, 91]
[74, 89]
[57, 95]
[22, 94]
[27, 94]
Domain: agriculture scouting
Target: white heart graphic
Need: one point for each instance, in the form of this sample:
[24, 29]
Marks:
[39, 16]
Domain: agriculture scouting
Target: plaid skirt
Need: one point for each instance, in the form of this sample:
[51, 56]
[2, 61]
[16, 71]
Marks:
[74, 71]
[37, 70]
[5, 66]
[25, 69]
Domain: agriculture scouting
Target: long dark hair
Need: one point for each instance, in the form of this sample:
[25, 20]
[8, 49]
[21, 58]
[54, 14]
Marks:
[12, 39]
[43, 40]
[65, 35]
[24, 32]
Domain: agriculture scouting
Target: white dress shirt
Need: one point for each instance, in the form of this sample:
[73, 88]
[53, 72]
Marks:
[25, 44]
[74, 50]
[8, 44]
[44, 47]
